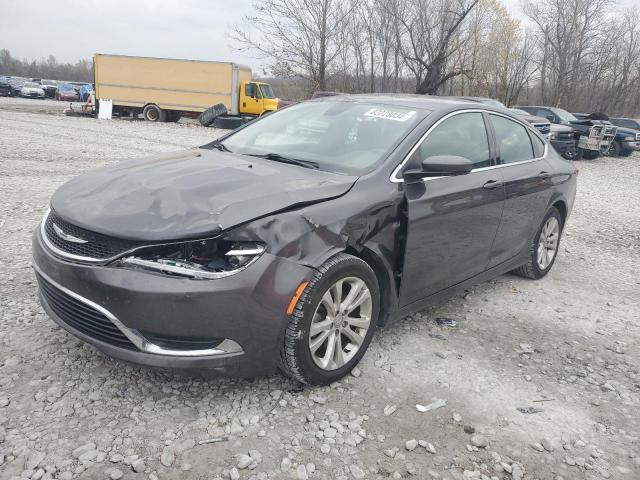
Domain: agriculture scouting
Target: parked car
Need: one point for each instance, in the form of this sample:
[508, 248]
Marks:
[50, 88]
[626, 140]
[85, 91]
[16, 86]
[31, 90]
[288, 241]
[541, 124]
[5, 87]
[67, 92]
[594, 137]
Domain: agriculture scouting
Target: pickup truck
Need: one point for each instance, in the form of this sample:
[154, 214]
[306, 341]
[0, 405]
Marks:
[592, 137]
[627, 139]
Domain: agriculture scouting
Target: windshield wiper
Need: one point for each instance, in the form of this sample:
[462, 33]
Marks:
[276, 157]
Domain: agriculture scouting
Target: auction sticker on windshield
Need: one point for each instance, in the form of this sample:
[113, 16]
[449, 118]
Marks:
[390, 114]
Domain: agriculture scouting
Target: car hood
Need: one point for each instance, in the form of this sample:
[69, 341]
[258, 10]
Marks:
[188, 194]
[626, 131]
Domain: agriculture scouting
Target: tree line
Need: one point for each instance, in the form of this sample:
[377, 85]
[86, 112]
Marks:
[582, 55]
[49, 68]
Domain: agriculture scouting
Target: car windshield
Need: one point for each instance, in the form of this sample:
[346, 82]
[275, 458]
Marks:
[335, 136]
[564, 115]
[31, 85]
[66, 87]
[266, 91]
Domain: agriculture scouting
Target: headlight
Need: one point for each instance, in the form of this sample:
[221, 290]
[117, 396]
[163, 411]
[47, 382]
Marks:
[553, 135]
[202, 259]
[629, 139]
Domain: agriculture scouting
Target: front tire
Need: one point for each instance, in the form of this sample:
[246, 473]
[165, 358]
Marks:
[332, 323]
[543, 251]
[614, 149]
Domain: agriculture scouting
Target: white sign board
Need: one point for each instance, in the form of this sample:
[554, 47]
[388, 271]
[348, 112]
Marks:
[105, 109]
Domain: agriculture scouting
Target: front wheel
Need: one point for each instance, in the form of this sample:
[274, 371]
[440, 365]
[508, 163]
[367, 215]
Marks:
[544, 248]
[332, 322]
[614, 149]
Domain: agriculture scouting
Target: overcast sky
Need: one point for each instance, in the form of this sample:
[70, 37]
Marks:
[75, 29]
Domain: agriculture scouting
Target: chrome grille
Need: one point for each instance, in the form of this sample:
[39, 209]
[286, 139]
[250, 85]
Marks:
[543, 128]
[94, 246]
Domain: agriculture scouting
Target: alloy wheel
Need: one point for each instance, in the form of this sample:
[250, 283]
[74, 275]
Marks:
[340, 323]
[548, 242]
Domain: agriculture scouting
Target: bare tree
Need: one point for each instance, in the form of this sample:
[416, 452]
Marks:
[428, 37]
[297, 36]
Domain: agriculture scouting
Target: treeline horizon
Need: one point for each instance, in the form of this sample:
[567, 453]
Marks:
[46, 68]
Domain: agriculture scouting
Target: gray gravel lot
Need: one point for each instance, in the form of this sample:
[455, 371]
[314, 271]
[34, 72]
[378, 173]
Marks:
[567, 345]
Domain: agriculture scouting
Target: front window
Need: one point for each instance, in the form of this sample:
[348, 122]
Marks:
[462, 135]
[266, 91]
[336, 136]
[564, 115]
[31, 85]
[66, 87]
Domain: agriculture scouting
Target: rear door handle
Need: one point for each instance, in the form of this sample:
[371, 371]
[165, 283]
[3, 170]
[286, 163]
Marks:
[544, 175]
[491, 184]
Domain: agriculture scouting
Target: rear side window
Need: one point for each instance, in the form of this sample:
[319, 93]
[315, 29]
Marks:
[463, 135]
[250, 89]
[538, 145]
[514, 144]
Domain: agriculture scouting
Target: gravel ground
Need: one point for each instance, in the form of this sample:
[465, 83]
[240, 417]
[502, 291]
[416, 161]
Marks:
[538, 380]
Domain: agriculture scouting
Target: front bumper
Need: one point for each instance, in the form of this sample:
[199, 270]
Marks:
[630, 145]
[563, 146]
[246, 311]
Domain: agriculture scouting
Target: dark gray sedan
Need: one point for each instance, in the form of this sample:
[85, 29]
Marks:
[289, 241]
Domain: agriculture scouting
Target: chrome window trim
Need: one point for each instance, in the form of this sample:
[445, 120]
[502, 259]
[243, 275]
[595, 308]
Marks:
[394, 175]
[225, 347]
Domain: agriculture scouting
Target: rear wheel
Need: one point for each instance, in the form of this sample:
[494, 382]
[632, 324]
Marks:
[544, 248]
[153, 113]
[332, 323]
[173, 116]
[591, 154]
[614, 149]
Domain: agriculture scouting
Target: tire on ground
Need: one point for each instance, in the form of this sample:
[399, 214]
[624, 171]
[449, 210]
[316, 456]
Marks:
[295, 356]
[531, 269]
[173, 115]
[207, 117]
[228, 123]
[153, 113]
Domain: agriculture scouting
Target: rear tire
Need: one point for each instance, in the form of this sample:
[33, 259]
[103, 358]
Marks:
[590, 154]
[173, 116]
[537, 267]
[341, 333]
[153, 113]
[614, 149]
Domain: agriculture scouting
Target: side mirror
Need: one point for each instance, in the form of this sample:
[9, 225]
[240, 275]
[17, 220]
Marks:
[441, 166]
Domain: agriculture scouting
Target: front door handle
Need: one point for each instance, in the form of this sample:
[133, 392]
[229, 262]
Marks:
[491, 184]
[544, 175]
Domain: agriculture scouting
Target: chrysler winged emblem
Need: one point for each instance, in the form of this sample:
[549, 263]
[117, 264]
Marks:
[65, 236]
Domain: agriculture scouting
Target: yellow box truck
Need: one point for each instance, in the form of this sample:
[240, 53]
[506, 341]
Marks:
[162, 89]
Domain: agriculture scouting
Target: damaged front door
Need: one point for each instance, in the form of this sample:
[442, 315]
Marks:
[452, 220]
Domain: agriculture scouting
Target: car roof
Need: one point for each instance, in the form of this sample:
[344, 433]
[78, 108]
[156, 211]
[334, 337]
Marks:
[426, 102]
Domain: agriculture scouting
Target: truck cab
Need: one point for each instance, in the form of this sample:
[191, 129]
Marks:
[256, 98]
